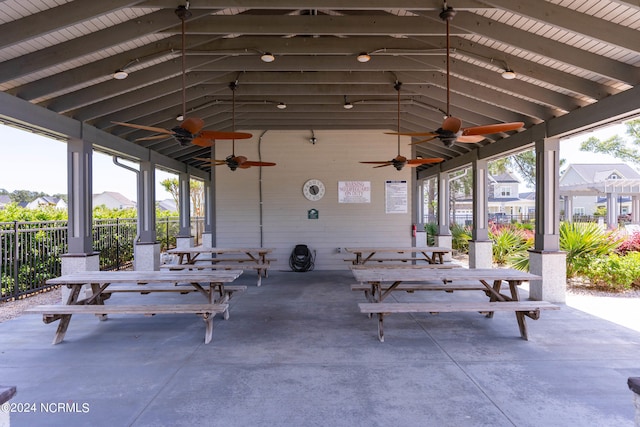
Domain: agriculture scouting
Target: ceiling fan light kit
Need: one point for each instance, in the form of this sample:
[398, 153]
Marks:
[364, 57]
[508, 74]
[267, 57]
[120, 74]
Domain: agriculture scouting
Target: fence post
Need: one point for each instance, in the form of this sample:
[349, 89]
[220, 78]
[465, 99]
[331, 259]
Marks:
[166, 220]
[16, 291]
[117, 243]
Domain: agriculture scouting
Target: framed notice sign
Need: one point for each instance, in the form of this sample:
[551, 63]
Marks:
[396, 200]
[354, 192]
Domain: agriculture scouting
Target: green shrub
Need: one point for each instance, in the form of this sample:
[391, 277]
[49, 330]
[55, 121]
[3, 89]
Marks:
[615, 272]
[431, 229]
[583, 242]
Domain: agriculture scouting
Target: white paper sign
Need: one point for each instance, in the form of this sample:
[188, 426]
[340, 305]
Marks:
[354, 192]
[396, 200]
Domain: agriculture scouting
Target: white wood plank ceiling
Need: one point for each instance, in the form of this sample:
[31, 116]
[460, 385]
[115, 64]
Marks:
[566, 55]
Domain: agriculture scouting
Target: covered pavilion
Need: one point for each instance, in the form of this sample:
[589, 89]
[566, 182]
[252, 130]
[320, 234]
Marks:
[70, 69]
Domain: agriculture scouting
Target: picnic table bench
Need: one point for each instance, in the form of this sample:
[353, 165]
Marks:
[203, 257]
[429, 254]
[261, 269]
[382, 282]
[105, 283]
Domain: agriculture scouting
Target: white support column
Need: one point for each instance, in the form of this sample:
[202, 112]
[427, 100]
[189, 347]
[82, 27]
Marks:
[147, 248]
[568, 208]
[612, 210]
[421, 233]
[546, 259]
[480, 247]
[81, 256]
[184, 239]
[635, 209]
[208, 236]
[443, 236]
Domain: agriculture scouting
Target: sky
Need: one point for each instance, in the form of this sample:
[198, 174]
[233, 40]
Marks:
[36, 163]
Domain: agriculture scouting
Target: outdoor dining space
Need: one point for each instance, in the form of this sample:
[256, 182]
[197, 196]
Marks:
[300, 352]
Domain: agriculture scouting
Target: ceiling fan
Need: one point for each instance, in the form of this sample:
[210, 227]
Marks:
[190, 130]
[451, 130]
[234, 162]
[400, 161]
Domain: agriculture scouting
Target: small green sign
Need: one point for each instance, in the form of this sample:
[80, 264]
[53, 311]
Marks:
[312, 214]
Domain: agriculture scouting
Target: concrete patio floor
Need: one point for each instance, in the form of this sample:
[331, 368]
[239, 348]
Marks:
[297, 352]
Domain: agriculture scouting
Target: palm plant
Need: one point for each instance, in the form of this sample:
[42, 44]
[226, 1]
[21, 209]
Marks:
[584, 241]
[460, 236]
[509, 242]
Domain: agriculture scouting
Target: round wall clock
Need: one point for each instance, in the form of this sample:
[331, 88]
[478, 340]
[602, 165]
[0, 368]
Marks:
[313, 189]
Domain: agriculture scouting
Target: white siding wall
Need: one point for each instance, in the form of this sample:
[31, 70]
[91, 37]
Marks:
[333, 158]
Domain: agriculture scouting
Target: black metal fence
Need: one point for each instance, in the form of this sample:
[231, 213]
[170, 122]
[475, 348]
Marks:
[30, 252]
[496, 218]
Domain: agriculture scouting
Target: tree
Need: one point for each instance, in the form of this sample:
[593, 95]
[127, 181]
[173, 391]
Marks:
[197, 197]
[616, 145]
[172, 185]
[25, 196]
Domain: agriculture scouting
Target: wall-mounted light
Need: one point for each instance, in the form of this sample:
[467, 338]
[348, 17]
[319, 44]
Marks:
[508, 74]
[364, 57]
[281, 106]
[120, 74]
[179, 117]
[267, 57]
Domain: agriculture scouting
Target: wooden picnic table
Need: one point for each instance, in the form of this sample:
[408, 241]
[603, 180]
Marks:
[430, 254]
[217, 259]
[104, 283]
[382, 282]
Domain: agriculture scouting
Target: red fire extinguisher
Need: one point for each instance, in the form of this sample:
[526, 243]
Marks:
[414, 230]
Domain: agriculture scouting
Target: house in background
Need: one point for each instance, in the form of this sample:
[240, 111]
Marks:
[112, 200]
[47, 201]
[4, 200]
[168, 205]
[505, 203]
[505, 198]
[616, 186]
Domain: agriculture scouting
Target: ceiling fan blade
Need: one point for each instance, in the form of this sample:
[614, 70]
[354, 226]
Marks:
[151, 138]
[424, 140]
[249, 163]
[412, 133]
[211, 161]
[418, 162]
[202, 142]
[385, 163]
[214, 134]
[495, 128]
[192, 125]
[381, 166]
[470, 138]
[452, 124]
[143, 127]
